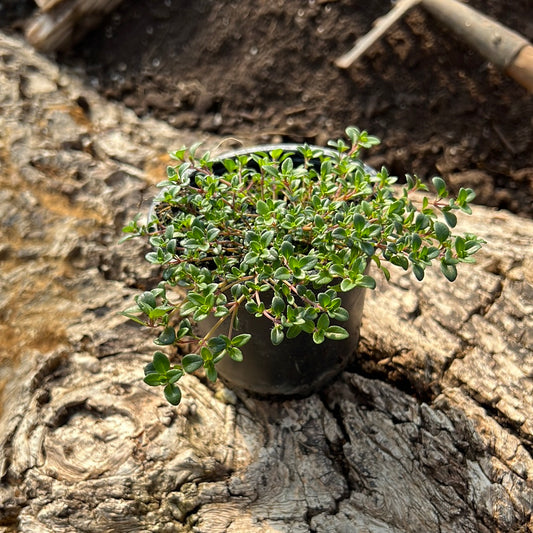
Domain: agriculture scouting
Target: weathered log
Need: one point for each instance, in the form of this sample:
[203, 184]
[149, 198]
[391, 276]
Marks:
[430, 430]
[59, 24]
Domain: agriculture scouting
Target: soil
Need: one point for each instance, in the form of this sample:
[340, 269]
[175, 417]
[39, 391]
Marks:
[263, 71]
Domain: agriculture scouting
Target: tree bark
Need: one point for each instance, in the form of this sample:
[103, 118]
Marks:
[429, 430]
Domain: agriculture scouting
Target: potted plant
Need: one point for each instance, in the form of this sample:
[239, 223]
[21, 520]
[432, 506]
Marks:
[273, 247]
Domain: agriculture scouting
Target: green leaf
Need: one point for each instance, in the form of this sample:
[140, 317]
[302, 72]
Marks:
[339, 233]
[278, 305]
[339, 314]
[195, 298]
[293, 331]
[450, 218]
[319, 336]
[359, 222]
[287, 250]
[149, 369]
[348, 285]
[307, 263]
[210, 371]
[276, 335]
[367, 282]
[323, 321]
[267, 237]
[282, 273]
[160, 362]
[172, 394]
[174, 375]
[235, 354]
[449, 271]
[400, 260]
[418, 271]
[154, 379]
[440, 185]
[441, 231]
[240, 340]
[262, 208]
[421, 221]
[148, 299]
[460, 246]
[167, 337]
[191, 362]
[218, 344]
[336, 333]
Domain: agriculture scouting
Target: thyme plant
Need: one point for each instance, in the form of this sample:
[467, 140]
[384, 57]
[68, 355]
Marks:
[301, 226]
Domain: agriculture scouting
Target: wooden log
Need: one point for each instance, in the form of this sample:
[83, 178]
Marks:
[429, 431]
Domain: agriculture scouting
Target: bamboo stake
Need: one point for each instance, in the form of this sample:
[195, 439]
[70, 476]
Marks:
[506, 49]
[381, 26]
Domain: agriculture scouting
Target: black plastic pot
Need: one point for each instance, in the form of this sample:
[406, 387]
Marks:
[296, 367]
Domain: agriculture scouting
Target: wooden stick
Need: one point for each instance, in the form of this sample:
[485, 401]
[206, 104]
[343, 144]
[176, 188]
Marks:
[381, 26]
[521, 69]
[506, 49]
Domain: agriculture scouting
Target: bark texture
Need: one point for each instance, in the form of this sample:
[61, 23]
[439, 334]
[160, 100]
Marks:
[430, 430]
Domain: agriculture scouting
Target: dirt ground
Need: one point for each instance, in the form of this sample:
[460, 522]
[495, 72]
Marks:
[264, 71]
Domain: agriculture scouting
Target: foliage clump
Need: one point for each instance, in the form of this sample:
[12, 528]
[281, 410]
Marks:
[299, 225]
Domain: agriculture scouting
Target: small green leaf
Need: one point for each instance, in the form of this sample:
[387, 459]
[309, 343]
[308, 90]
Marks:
[421, 221]
[323, 321]
[276, 335]
[262, 208]
[319, 336]
[267, 237]
[418, 271]
[450, 218]
[192, 362]
[173, 394]
[449, 271]
[235, 354]
[154, 379]
[440, 185]
[339, 314]
[174, 375]
[167, 337]
[400, 260]
[240, 340]
[150, 369]
[287, 250]
[148, 299]
[293, 331]
[336, 333]
[218, 344]
[441, 231]
[348, 285]
[307, 263]
[160, 362]
[210, 371]
[460, 246]
[359, 222]
[367, 282]
[282, 273]
[278, 305]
